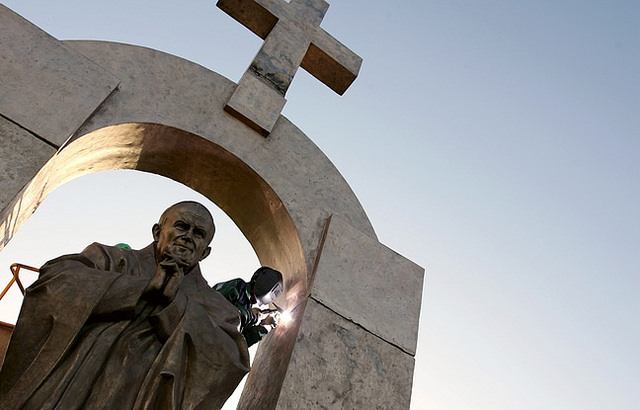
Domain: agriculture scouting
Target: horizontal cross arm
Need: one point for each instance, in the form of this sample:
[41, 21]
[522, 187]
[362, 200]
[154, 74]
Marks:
[250, 14]
[331, 62]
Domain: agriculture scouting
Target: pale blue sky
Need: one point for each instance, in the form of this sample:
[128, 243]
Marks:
[495, 143]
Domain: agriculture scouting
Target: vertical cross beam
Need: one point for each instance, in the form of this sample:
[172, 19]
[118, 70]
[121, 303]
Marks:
[293, 38]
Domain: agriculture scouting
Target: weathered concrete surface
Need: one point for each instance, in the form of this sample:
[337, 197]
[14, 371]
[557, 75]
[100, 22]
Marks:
[370, 284]
[256, 104]
[41, 78]
[338, 365]
[21, 157]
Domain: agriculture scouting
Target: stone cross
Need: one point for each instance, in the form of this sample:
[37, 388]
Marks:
[293, 38]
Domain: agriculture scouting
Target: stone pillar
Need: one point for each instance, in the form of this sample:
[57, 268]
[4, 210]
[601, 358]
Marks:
[23, 154]
[48, 92]
[357, 341]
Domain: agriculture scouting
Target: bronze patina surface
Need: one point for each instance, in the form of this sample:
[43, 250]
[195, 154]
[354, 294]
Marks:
[118, 328]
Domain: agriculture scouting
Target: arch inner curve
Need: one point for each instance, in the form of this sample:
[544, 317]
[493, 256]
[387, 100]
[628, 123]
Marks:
[214, 172]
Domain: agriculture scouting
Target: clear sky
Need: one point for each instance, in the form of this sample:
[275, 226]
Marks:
[494, 142]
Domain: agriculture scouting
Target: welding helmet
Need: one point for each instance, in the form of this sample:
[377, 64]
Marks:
[266, 284]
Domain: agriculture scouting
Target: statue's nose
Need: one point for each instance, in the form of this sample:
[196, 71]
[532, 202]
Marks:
[188, 236]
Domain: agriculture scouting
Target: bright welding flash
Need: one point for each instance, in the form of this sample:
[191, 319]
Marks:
[285, 317]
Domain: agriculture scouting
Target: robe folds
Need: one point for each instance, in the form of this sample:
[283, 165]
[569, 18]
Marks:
[86, 338]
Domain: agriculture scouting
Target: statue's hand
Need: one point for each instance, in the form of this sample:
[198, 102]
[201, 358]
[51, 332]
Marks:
[165, 280]
[173, 277]
[156, 282]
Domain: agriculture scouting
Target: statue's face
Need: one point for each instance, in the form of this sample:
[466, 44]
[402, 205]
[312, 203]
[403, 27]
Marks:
[185, 233]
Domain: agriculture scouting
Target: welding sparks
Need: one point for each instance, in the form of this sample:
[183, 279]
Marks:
[285, 317]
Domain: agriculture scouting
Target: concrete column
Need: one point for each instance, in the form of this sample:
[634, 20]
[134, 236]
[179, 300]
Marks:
[357, 341]
[51, 88]
[21, 156]
[48, 91]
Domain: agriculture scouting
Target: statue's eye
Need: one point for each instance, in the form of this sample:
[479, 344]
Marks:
[199, 233]
[181, 225]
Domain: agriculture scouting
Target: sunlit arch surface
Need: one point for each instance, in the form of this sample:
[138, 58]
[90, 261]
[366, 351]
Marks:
[197, 163]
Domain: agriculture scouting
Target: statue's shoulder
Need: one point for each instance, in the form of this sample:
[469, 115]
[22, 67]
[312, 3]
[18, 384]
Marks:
[99, 249]
[96, 254]
[116, 257]
[95, 248]
[89, 256]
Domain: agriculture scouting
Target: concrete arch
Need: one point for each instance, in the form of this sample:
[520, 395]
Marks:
[162, 101]
[166, 117]
[71, 108]
[159, 88]
[192, 161]
[205, 167]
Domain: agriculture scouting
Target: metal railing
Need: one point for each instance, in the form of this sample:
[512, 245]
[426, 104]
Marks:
[15, 271]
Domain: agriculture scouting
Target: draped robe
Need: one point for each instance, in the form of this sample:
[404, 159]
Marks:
[86, 338]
